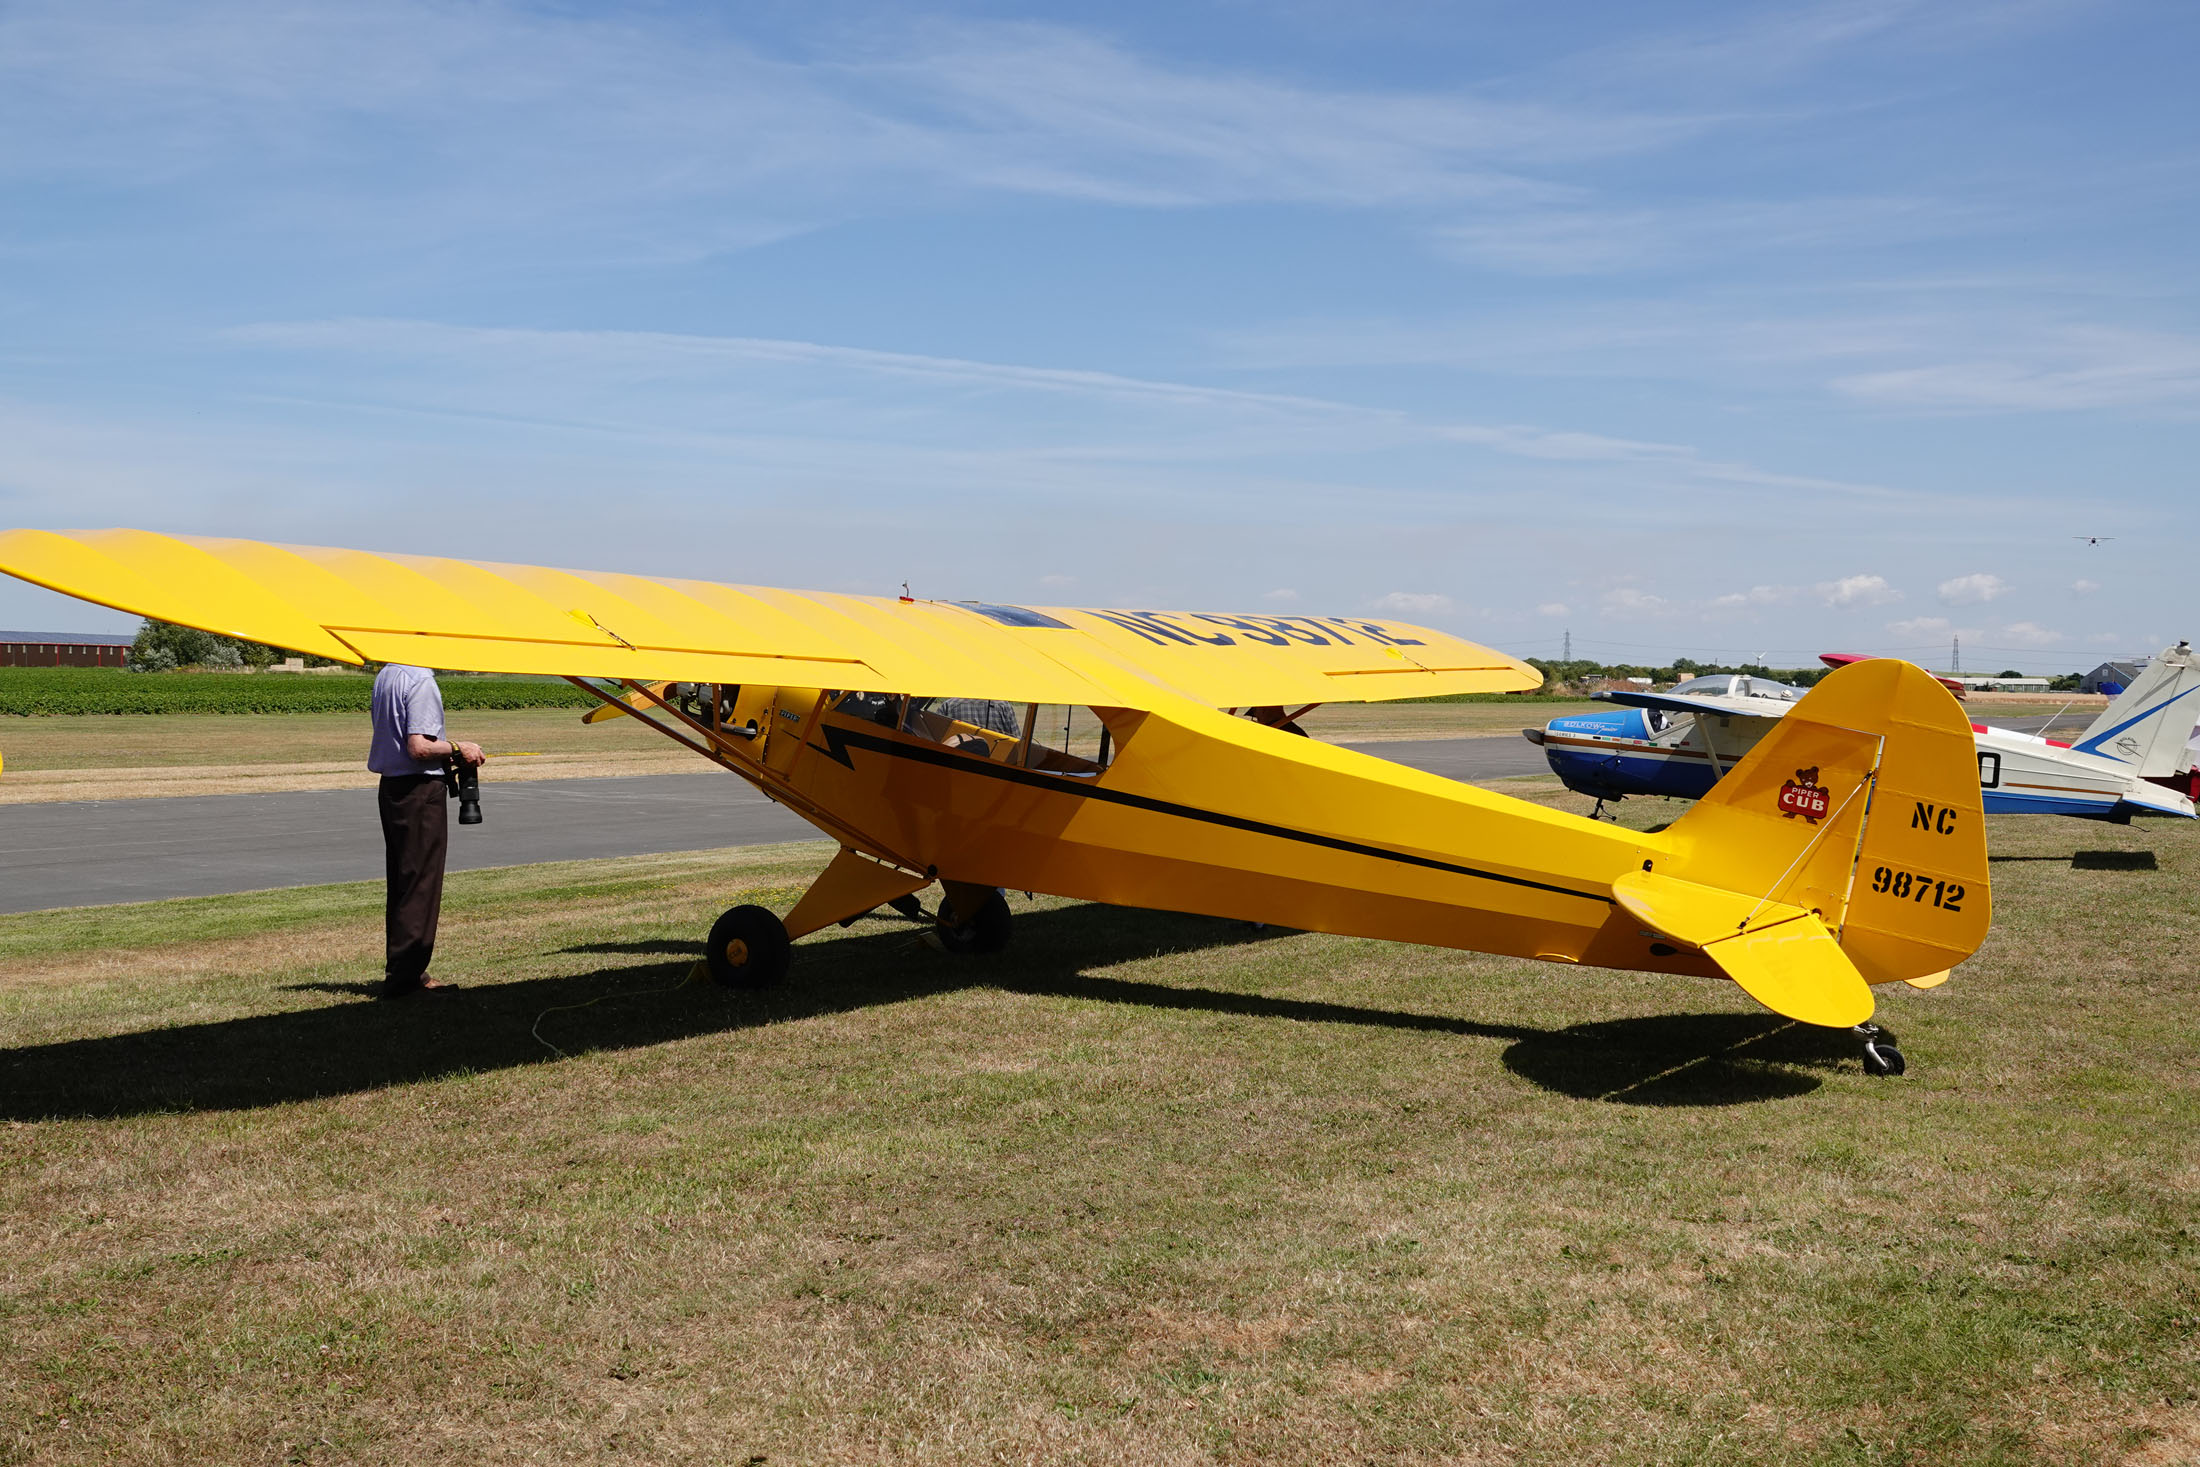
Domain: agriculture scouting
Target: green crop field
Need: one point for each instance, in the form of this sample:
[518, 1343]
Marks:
[1145, 1188]
[64, 691]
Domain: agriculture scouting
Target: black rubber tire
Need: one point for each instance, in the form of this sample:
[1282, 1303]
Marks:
[987, 932]
[748, 948]
[1883, 1059]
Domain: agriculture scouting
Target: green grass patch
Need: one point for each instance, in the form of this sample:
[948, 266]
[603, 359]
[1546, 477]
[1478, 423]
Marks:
[1145, 1188]
[63, 691]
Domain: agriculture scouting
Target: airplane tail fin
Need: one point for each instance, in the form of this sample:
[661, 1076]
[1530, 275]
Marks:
[2150, 722]
[1847, 848]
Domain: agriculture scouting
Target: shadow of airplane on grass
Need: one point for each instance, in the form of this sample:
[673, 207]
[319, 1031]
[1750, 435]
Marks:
[2093, 860]
[345, 1048]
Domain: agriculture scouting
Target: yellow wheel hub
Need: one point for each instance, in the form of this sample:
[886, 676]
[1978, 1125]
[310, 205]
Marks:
[737, 953]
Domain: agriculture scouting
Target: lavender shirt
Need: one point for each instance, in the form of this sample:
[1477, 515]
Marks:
[406, 701]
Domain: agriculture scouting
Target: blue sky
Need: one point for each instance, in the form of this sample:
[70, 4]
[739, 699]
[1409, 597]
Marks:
[1696, 328]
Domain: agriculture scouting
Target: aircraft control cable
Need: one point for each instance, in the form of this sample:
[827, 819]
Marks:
[565, 1008]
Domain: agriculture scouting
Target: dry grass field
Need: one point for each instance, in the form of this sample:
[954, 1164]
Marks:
[1146, 1188]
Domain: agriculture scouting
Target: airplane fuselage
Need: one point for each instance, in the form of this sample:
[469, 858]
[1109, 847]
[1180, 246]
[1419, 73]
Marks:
[1200, 811]
[1629, 751]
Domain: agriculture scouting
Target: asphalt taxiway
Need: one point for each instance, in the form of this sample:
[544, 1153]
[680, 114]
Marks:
[93, 852]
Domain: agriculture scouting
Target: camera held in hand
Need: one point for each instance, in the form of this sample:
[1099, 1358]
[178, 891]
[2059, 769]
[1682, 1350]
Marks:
[462, 780]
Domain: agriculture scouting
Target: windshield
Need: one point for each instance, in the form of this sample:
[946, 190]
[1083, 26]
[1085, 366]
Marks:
[1737, 685]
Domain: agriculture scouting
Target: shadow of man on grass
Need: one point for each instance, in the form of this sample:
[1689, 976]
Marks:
[347, 1047]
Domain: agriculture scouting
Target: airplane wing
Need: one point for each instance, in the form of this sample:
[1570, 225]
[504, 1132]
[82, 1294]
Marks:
[1843, 659]
[477, 616]
[1717, 705]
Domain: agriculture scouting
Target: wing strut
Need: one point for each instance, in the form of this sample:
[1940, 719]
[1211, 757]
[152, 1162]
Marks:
[1710, 750]
[721, 749]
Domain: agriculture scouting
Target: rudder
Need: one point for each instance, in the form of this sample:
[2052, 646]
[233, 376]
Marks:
[2150, 722]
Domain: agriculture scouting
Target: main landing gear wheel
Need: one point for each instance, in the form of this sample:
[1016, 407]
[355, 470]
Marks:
[748, 948]
[985, 932]
[1880, 1056]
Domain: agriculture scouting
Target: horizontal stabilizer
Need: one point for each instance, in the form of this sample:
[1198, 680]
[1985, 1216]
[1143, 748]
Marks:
[1797, 969]
[1781, 955]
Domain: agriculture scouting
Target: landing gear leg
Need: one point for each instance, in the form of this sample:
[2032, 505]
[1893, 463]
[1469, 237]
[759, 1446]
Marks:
[1880, 1056]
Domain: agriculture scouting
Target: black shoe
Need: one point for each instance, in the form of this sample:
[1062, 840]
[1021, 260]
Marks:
[418, 985]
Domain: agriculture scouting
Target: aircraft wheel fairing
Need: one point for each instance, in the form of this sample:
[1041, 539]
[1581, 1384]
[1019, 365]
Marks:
[986, 932]
[748, 948]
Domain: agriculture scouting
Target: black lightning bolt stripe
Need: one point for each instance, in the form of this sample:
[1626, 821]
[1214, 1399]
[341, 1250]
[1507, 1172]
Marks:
[839, 740]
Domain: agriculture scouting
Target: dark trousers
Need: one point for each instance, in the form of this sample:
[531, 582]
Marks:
[415, 833]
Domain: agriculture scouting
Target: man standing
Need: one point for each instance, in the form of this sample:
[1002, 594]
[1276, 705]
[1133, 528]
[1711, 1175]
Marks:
[410, 753]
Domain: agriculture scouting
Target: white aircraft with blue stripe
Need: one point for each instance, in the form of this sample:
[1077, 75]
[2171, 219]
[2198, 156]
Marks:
[2133, 760]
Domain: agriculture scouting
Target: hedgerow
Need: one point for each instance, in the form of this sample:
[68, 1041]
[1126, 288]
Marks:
[48, 691]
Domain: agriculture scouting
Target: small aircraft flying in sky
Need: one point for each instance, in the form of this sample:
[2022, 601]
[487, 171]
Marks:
[2132, 760]
[1846, 849]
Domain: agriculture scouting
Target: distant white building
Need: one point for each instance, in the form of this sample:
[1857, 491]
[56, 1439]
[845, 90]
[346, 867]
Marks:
[2004, 684]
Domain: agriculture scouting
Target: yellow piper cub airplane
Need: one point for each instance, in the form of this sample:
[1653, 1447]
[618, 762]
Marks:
[1847, 849]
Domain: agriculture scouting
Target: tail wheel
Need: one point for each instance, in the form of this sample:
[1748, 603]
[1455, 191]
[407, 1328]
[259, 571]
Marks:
[1883, 1059]
[986, 931]
[748, 948]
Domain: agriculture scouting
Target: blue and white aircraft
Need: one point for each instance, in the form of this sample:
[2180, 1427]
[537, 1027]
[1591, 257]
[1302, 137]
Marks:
[2133, 760]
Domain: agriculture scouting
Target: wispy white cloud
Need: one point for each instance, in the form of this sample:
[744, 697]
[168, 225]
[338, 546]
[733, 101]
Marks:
[2030, 634]
[2085, 587]
[1755, 596]
[1972, 590]
[1857, 590]
[1767, 50]
[669, 364]
[1634, 601]
[1282, 594]
[1584, 238]
[1415, 603]
[2072, 369]
[1552, 608]
[1917, 347]
[497, 116]
[1924, 626]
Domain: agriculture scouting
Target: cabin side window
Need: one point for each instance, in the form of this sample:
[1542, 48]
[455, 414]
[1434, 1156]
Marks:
[985, 728]
[1069, 740]
[1050, 738]
[1989, 771]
